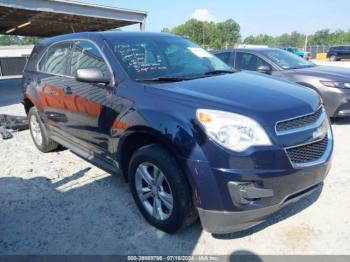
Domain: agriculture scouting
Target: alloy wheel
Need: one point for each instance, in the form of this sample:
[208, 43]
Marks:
[36, 130]
[154, 191]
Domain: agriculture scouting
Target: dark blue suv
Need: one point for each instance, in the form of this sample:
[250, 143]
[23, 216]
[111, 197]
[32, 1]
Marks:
[189, 134]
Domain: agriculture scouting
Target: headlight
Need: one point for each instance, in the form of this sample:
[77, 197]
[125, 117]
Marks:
[232, 131]
[335, 84]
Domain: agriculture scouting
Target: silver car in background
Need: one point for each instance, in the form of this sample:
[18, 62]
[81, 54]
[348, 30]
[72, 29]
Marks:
[332, 83]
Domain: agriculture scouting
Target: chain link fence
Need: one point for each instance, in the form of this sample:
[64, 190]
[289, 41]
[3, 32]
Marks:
[314, 50]
[317, 49]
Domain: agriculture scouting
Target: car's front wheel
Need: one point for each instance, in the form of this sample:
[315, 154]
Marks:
[160, 189]
[39, 133]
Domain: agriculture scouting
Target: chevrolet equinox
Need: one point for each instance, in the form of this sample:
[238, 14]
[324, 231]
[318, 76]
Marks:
[191, 136]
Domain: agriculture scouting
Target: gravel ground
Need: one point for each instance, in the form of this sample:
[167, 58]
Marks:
[57, 203]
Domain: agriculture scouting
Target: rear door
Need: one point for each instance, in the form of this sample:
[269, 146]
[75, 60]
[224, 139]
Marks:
[51, 76]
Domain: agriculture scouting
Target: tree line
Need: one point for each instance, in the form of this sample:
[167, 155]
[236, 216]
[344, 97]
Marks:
[209, 34]
[324, 37]
[18, 40]
[227, 34]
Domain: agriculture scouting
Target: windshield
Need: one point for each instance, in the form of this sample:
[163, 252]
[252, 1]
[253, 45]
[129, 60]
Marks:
[286, 60]
[152, 57]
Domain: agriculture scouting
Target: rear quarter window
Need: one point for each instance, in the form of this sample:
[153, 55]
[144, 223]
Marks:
[34, 57]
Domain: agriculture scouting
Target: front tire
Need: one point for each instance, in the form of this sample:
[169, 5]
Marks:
[39, 133]
[160, 189]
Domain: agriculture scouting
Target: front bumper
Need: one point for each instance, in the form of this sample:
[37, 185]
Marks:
[252, 186]
[221, 211]
[336, 101]
[237, 190]
[344, 109]
[221, 222]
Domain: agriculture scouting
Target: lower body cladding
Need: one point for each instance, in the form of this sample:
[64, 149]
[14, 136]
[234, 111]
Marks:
[231, 200]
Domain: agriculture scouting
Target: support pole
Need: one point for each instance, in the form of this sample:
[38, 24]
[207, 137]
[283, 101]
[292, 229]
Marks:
[143, 26]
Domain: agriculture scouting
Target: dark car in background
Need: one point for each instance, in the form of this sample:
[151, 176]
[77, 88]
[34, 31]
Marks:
[190, 135]
[332, 83]
[337, 53]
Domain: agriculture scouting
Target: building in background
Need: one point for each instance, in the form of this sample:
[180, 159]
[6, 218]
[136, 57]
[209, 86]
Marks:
[46, 18]
[13, 58]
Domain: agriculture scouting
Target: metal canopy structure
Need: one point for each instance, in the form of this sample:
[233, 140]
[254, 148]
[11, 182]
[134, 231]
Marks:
[44, 18]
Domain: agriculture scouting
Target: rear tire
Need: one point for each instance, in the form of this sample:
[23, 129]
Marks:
[333, 58]
[167, 205]
[39, 132]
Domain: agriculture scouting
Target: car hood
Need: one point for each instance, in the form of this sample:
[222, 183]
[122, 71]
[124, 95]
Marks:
[336, 73]
[261, 97]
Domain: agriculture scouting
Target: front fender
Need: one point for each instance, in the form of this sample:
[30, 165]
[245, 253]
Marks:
[179, 136]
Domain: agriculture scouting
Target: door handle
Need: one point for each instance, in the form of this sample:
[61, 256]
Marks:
[68, 90]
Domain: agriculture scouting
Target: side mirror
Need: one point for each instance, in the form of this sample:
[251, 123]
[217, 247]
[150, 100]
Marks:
[264, 69]
[91, 75]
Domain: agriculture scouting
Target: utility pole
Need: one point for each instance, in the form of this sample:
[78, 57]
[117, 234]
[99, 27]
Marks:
[305, 45]
[203, 34]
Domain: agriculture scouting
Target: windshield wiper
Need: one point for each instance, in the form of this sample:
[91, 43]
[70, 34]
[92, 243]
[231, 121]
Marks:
[184, 78]
[165, 79]
[299, 67]
[219, 72]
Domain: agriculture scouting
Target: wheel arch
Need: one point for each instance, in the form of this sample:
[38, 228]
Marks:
[310, 86]
[28, 103]
[136, 138]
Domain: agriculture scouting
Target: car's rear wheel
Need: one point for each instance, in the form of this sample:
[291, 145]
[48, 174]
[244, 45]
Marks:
[160, 189]
[333, 58]
[39, 133]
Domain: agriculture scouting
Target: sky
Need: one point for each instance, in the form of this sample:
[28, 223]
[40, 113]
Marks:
[273, 17]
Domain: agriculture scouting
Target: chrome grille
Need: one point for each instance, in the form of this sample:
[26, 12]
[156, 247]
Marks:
[308, 153]
[299, 122]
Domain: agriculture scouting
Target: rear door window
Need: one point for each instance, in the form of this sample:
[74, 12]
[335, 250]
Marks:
[55, 59]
